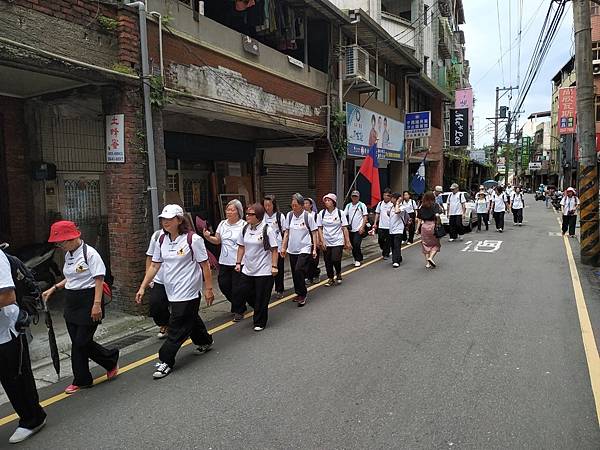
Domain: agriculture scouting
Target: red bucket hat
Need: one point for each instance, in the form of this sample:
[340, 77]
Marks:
[63, 230]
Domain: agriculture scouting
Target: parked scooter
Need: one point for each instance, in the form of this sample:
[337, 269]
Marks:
[556, 199]
[39, 258]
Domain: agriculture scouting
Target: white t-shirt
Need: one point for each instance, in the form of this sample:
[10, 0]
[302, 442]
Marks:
[383, 209]
[355, 214]
[10, 313]
[454, 204]
[272, 221]
[409, 206]
[300, 240]
[397, 221]
[332, 223]
[517, 201]
[257, 261]
[80, 275]
[481, 205]
[182, 276]
[498, 202]
[229, 241]
[153, 244]
[569, 204]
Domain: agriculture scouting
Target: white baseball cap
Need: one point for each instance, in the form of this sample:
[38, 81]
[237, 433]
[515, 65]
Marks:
[170, 211]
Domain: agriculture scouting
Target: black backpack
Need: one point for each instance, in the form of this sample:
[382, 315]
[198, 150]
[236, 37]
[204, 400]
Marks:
[27, 291]
[265, 236]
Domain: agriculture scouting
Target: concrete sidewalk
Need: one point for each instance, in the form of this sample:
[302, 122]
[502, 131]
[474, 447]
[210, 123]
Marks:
[130, 332]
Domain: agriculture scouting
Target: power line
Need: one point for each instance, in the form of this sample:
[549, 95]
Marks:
[500, 41]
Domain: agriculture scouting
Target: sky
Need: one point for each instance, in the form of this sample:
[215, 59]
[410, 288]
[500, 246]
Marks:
[483, 43]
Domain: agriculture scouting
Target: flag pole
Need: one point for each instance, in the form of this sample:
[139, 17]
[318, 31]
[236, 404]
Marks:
[351, 186]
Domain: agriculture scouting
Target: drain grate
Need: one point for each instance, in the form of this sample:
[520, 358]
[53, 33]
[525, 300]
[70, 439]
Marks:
[130, 340]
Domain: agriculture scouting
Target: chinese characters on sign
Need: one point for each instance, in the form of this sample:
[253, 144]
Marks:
[115, 138]
[567, 110]
[418, 125]
[459, 129]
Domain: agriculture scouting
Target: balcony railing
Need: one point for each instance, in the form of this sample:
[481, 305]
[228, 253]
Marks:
[399, 28]
[446, 40]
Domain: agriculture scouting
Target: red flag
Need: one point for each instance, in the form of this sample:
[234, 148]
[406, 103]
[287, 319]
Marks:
[370, 170]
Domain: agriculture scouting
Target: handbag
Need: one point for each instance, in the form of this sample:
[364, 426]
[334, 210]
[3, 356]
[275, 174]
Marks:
[439, 231]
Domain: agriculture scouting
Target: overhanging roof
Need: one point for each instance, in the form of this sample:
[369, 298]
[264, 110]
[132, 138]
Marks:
[568, 67]
[427, 85]
[324, 7]
[372, 36]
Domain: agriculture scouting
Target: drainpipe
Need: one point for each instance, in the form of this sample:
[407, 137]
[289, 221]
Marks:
[160, 43]
[148, 112]
[339, 162]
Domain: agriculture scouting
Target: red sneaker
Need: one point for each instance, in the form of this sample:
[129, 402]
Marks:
[72, 388]
[112, 373]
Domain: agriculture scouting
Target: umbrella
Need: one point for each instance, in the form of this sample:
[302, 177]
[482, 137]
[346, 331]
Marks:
[52, 341]
[490, 183]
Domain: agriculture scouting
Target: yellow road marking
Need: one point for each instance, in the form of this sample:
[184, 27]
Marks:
[223, 326]
[587, 332]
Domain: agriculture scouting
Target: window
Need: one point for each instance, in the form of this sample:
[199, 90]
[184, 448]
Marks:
[425, 14]
[597, 108]
[594, 9]
[595, 51]
[426, 65]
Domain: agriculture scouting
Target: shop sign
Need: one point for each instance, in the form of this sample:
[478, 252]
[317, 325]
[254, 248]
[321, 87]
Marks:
[567, 110]
[365, 128]
[418, 125]
[115, 138]
[535, 165]
[459, 130]
[501, 168]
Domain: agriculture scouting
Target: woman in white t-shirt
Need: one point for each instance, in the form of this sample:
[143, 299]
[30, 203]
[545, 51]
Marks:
[300, 242]
[498, 205]
[482, 208]
[314, 272]
[333, 237]
[226, 235]
[517, 203]
[158, 304]
[570, 206]
[410, 207]
[257, 262]
[84, 309]
[399, 219]
[182, 255]
[276, 220]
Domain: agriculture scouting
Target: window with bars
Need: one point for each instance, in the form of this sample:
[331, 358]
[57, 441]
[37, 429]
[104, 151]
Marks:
[594, 9]
[82, 200]
[595, 51]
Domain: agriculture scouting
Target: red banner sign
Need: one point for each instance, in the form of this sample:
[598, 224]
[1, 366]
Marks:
[567, 110]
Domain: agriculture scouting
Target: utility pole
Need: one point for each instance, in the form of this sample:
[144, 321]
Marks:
[496, 118]
[586, 129]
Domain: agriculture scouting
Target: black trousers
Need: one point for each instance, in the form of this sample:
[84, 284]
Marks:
[499, 219]
[397, 248]
[20, 387]
[456, 226]
[300, 265]
[228, 279]
[159, 305]
[409, 234]
[314, 272]
[185, 323]
[258, 292]
[569, 223]
[333, 260]
[83, 348]
[483, 218]
[518, 215]
[356, 240]
[385, 242]
[279, 287]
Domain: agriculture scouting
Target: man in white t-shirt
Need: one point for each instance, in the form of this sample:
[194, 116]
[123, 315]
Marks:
[15, 365]
[517, 203]
[570, 206]
[456, 208]
[382, 223]
[356, 213]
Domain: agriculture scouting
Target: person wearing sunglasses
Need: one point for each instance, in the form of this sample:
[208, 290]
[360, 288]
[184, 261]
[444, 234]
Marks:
[257, 264]
[84, 273]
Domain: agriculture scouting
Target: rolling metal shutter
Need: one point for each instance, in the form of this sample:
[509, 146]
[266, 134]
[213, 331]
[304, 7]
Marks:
[283, 181]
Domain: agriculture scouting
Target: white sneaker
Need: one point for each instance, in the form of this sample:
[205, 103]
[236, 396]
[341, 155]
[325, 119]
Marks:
[460, 238]
[162, 335]
[450, 240]
[258, 328]
[356, 263]
[162, 370]
[21, 434]
[395, 265]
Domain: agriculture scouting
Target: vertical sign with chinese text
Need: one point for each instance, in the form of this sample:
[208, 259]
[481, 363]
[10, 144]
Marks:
[567, 110]
[459, 127]
[115, 138]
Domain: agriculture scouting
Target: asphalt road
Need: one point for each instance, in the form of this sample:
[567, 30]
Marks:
[483, 352]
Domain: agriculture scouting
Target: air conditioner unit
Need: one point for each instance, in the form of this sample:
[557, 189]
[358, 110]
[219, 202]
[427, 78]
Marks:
[357, 63]
[596, 65]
